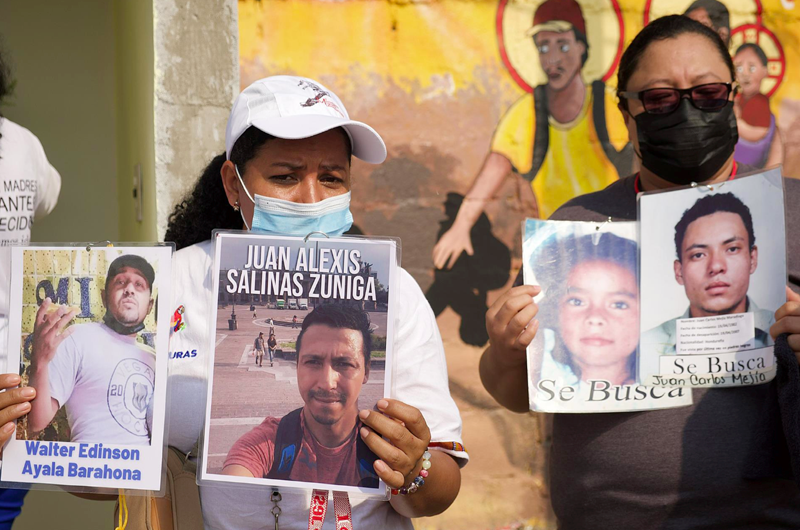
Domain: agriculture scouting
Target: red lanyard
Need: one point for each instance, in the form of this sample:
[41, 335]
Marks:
[319, 506]
[638, 188]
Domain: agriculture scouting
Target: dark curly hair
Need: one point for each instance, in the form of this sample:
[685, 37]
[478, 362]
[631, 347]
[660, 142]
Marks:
[206, 207]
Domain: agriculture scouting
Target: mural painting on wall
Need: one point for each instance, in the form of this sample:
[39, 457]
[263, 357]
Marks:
[564, 135]
[466, 95]
[562, 63]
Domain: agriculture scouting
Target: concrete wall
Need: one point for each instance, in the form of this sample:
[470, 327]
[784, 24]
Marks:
[63, 63]
[196, 80]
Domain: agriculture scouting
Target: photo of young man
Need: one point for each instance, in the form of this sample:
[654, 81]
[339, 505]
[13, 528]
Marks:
[318, 442]
[98, 371]
[717, 254]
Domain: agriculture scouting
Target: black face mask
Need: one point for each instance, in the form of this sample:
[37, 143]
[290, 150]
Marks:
[119, 327]
[689, 144]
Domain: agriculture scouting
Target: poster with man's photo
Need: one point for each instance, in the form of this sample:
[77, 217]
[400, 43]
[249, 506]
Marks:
[87, 333]
[583, 358]
[302, 342]
[713, 262]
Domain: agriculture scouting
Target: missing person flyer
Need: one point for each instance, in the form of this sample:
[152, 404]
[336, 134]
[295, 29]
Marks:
[86, 331]
[583, 357]
[713, 262]
[302, 342]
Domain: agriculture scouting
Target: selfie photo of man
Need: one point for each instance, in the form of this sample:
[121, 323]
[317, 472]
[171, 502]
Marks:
[289, 389]
[319, 441]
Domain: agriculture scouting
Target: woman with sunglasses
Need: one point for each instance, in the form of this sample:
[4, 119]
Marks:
[674, 468]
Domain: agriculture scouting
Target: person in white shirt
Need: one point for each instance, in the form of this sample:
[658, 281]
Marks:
[286, 170]
[29, 189]
[98, 371]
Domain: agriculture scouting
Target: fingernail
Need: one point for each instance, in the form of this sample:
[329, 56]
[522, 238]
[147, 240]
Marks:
[23, 407]
[380, 466]
[383, 404]
[13, 379]
[28, 392]
[9, 427]
[364, 432]
[363, 414]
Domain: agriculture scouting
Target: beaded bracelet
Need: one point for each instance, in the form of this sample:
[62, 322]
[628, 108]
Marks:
[419, 480]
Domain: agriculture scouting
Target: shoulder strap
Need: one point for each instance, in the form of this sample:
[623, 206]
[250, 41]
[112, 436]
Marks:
[622, 160]
[541, 134]
[287, 445]
[366, 460]
[189, 465]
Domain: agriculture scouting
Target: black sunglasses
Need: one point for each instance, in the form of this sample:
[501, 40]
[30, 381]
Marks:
[709, 97]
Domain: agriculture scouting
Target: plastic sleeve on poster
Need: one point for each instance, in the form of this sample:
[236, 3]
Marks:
[673, 352]
[587, 272]
[71, 275]
[232, 257]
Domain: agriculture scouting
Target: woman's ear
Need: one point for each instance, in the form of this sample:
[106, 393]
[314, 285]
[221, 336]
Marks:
[230, 181]
[624, 110]
[630, 124]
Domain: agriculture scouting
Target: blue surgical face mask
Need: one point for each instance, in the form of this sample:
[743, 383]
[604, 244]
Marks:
[286, 218]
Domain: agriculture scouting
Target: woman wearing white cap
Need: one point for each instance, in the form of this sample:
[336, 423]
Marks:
[286, 170]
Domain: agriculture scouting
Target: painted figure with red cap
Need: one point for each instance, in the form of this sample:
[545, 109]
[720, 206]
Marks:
[559, 32]
[556, 137]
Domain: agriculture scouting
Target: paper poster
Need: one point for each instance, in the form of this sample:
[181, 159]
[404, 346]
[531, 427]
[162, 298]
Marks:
[87, 332]
[583, 358]
[308, 323]
[713, 262]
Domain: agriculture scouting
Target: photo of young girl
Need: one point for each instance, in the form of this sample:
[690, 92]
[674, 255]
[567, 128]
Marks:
[583, 358]
[592, 311]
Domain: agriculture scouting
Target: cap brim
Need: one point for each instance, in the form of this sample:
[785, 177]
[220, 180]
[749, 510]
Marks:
[366, 142]
[559, 26]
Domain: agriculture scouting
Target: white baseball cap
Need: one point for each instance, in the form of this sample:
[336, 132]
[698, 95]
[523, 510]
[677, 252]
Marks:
[292, 108]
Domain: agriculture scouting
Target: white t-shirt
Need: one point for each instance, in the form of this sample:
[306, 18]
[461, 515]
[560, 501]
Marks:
[29, 188]
[420, 381]
[106, 381]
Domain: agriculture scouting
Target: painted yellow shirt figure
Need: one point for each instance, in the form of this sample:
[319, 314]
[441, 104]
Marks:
[575, 162]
